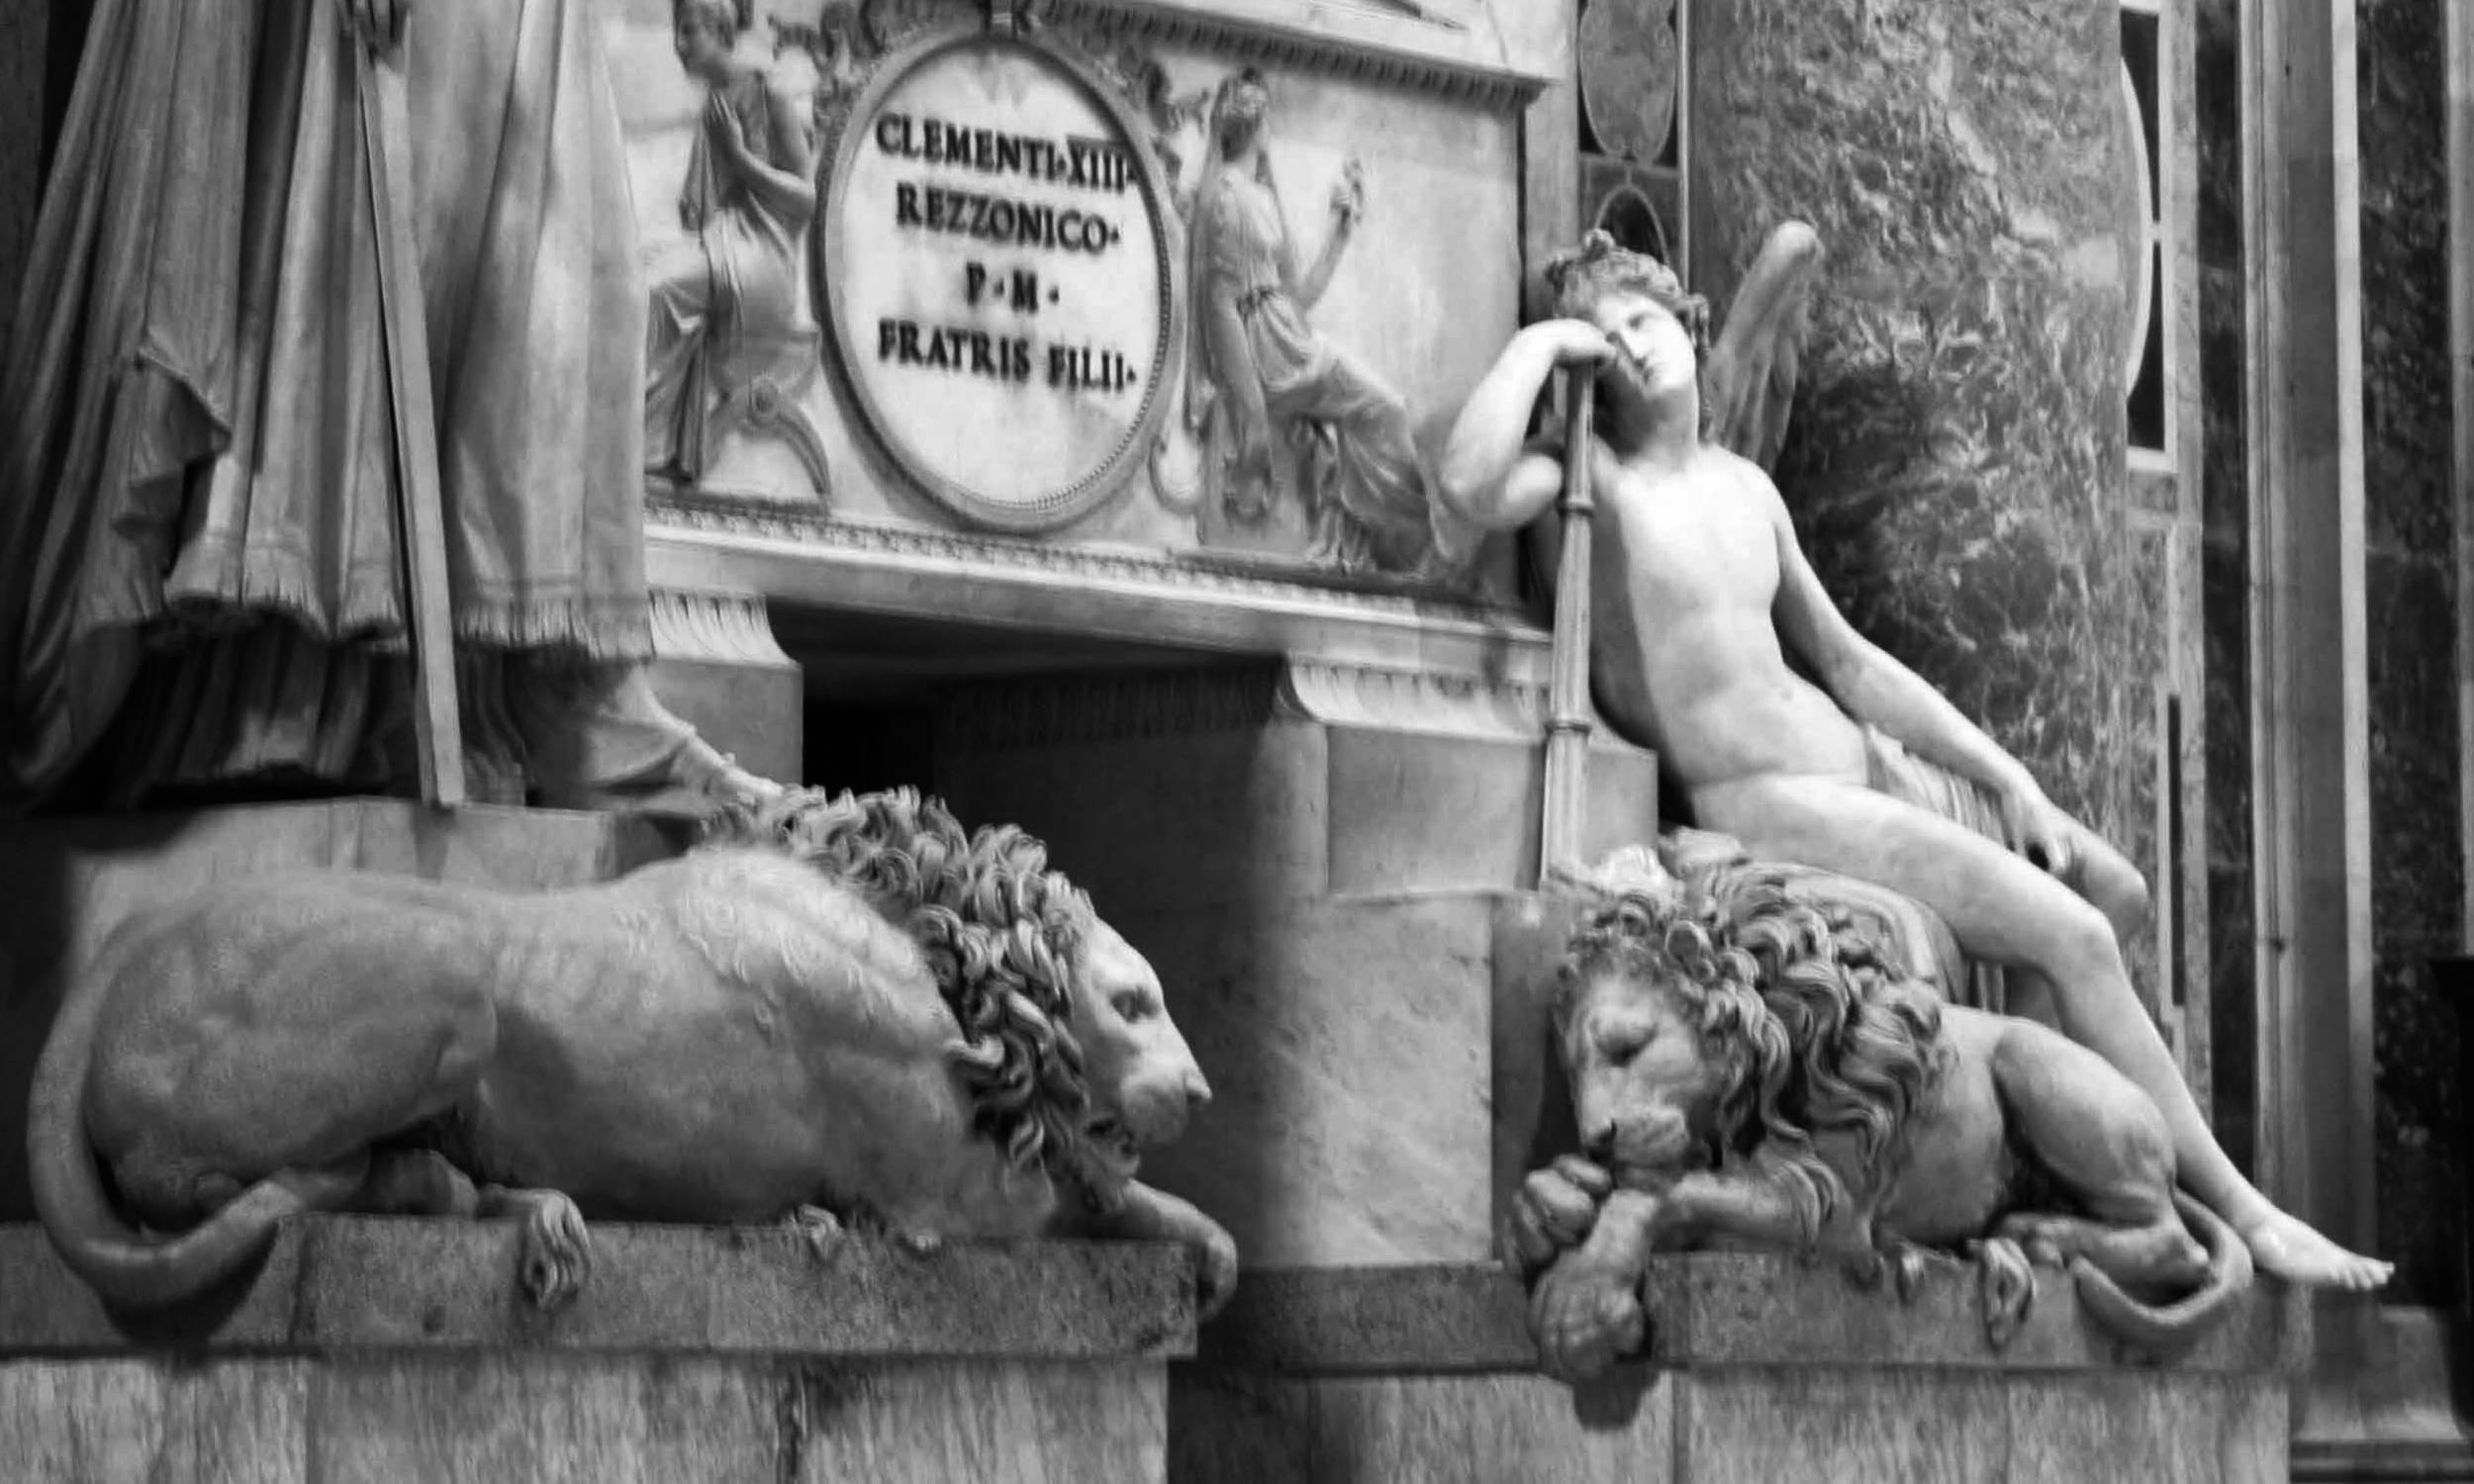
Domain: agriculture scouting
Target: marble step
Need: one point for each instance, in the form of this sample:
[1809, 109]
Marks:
[1759, 1368]
[375, 1350]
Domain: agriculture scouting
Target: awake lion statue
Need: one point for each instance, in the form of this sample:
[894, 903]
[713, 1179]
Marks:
[1751, 1066]
[837, 1008]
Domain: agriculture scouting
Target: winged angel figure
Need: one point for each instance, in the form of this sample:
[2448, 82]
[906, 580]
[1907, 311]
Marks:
[1665, 383]
[1781, 725]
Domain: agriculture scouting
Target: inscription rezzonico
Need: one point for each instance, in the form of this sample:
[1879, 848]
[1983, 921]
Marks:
[996, 256]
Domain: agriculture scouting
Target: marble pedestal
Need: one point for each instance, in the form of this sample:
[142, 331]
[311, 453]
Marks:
[394, 1349]
[1759, 1369]
[1314, 864]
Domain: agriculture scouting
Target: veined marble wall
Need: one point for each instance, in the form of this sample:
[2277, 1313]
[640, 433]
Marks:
[2225, 584]
[1957, 466]
[2417, 756]
[2418, 869]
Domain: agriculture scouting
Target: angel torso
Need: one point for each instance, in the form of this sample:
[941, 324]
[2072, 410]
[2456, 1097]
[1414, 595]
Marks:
[1686, 656]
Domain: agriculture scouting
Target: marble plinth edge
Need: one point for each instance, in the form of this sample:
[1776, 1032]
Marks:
[362, 1284]
[1759, 1368]
[1137, 597]
[1709, 1311]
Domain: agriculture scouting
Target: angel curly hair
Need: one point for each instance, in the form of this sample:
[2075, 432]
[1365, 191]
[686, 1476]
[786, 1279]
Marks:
[727, 18]
[1824, 1033]
[1001, 933]
[1601, 268]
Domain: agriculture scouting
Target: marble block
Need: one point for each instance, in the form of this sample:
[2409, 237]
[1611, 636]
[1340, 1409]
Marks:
[1759, 1368]
[385, 1349]
[1321, 901]
[1282, 809]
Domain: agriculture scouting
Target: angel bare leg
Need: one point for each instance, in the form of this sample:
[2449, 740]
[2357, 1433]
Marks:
[2001, 907]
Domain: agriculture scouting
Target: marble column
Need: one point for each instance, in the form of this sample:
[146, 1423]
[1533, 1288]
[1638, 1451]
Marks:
[1956, 465]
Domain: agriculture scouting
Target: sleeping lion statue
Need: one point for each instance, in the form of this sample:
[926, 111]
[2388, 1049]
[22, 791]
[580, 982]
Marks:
[1751, 1065]
[836, 1009]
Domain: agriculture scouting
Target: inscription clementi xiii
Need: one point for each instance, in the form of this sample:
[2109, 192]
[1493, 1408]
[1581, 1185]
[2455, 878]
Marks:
[993, 253]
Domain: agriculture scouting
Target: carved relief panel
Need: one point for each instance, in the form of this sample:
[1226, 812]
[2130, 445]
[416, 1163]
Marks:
[1085, 273]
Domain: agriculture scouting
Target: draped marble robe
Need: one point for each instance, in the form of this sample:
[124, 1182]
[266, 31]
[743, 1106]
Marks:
[196, 443]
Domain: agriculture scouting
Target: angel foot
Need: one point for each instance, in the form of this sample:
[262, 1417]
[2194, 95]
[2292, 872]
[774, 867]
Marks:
[2295, 1251]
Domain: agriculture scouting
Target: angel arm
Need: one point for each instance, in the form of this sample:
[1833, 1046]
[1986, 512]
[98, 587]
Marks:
[782, 182]
[1491, 474]
[1348, 201]
[1752, 370]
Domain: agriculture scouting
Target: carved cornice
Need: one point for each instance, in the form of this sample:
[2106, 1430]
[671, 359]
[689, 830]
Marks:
[1057, 711]
[1201, 571]
[1360, 43]
[1208, 604]
[1413, 700]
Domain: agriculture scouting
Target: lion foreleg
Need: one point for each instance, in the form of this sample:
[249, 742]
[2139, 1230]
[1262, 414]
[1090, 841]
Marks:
[1143, 1214]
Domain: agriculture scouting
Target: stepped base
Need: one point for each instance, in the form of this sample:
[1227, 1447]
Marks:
[1761, 1368]
[392, 1350]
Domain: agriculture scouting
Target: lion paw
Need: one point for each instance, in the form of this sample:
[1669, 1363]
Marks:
[2008, 1283]
[1866, 1270]
[1215, 1271]
[557, 1253]
[822, 1228]
[1586, 1316]
[1907, 1266]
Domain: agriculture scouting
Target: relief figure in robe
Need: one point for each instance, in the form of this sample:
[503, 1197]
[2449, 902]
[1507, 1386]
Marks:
[1283, 412]
[739, 274]
[200, 588]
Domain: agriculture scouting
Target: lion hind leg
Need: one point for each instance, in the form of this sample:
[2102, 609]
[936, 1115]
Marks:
[2101, 1139]
[554, 1255]
[415, 1182]
[2157, 1256]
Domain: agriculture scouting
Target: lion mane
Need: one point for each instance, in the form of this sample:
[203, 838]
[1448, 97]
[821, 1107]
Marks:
[1825, 1036]
[1002, 935]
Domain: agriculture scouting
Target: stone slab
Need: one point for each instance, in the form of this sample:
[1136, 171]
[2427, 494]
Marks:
[534, 1418]
[1345, 1046]
[1241, 814]
[1232, 1427]
[1749, 1309]
[1428, 1318]
[366, 1283]
[1761, 1368]
[1712, 1311]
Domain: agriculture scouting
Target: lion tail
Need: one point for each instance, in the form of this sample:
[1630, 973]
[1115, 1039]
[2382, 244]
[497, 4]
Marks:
[127, 1267]
[2170, 1330]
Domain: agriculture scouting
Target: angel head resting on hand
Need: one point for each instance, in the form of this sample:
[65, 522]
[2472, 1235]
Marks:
[1747, 371]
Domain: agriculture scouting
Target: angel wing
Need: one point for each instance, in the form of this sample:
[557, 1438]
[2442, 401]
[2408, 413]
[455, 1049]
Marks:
[1753, 368]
